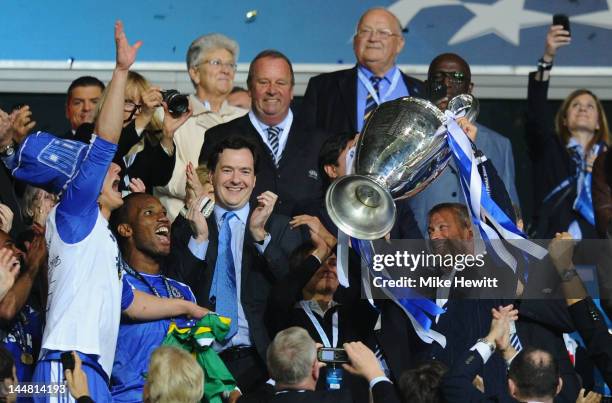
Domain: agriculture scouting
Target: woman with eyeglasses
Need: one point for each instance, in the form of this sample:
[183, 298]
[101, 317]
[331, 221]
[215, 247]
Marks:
[211, 64]
[563, 155]
[145, 150]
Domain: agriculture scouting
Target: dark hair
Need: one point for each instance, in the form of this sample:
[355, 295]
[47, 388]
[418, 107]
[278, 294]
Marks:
[121, 215]
[233, 142]
[6, 364]
[299, 255]
[85, 81]
[422, 383]
[535, 373]
[275, 54]
[329, 153]
[455, 58]
[458, 209]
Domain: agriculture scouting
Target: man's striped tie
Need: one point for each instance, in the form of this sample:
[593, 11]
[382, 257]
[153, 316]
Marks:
[514, 339]
[370, 101]
[273, 133]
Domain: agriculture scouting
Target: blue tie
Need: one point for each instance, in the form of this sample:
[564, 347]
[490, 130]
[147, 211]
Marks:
[223, 288]
[370, 101]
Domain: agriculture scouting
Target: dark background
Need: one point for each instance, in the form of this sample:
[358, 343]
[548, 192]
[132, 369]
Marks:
[504, 116]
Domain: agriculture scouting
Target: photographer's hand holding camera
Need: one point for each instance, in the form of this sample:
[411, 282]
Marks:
[172, 122]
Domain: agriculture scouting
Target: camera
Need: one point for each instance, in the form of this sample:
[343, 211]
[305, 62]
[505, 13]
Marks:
[67, 360]
[332, 355]
[178, 103]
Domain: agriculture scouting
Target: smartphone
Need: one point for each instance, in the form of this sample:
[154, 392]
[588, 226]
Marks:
[562, 19]
[206, 207]
[332, 355]
[67, 360]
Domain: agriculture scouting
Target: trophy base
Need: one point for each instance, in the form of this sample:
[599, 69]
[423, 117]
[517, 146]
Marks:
[360, 207]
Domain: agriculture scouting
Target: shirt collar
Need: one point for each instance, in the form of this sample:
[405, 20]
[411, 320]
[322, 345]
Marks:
[264, 126]
[316, 308]
[242, 213]
[388, 75]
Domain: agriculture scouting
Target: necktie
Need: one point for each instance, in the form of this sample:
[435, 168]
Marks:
[514, 339]
[370, 101]
[223, 288]
[273, 133]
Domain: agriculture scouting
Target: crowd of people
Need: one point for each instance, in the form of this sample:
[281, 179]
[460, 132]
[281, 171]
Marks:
[163, 256]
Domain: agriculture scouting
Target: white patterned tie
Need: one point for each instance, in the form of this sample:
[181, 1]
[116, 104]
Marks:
[273, 132]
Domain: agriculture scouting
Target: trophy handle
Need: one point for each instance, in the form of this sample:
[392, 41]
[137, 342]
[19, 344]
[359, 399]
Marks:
[465, 104]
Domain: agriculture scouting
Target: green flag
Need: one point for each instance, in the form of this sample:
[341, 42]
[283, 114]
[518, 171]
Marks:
[197, 340]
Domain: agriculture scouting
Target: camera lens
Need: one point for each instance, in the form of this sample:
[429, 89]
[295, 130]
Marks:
[178, 103]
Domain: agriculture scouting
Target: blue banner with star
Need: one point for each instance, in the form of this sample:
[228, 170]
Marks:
[485, 32]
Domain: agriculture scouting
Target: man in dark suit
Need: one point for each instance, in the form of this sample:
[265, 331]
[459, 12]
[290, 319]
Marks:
[450, 75]
[295, 369]
[244, 250]
[288, 153]
[340, 101]
[588, 319]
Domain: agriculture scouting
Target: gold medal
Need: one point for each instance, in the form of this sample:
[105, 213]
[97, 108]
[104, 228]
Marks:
[27, 358]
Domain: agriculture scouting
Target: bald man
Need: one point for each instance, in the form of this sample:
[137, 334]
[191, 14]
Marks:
[340, 101]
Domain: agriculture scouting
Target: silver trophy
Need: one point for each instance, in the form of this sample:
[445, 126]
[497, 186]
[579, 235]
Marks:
[401, 149]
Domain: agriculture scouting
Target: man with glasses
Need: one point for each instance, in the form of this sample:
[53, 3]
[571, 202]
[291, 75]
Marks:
[341, 101]
[450, 75]
[211, 63]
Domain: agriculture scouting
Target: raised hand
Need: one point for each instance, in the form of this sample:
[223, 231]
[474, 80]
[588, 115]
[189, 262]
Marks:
[137, 185]
[499, 333]
[591, 397]
[363, 361]
[468, 128]
[22, 123]
[9, 269]
[171, 124]
[556, 38]
[561, 251]
[6, 218]
[6, 125]
[193, 186]
[77, 379]
[262, 212]
[314, 226]
[36, 255]
[196, 220]
[126, 53]
[151, 99]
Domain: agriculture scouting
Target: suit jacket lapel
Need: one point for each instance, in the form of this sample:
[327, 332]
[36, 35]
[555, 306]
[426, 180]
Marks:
[291, 147]
[265, 156]
[348, 92]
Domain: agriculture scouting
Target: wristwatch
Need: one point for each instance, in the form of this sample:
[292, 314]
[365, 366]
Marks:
[7, 150]
[568, 275]
[544, 65]
[488, 343]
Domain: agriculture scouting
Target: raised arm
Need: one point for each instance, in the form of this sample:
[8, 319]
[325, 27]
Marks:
[539, 116]
[110, 121]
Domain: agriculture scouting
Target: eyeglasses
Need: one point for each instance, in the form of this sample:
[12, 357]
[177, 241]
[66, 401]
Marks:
[384, 33]
[455, 77]
[217, 63]
[132, 107]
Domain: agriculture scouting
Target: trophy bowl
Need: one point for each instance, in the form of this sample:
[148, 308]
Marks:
[400, 151]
